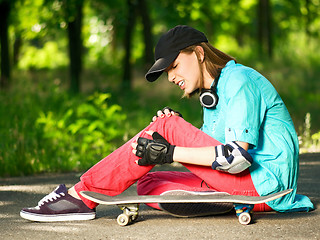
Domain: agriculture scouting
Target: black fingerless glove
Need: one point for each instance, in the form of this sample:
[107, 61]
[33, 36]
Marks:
[156, 151]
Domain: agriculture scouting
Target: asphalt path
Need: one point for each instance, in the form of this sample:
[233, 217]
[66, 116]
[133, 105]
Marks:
[16, 193]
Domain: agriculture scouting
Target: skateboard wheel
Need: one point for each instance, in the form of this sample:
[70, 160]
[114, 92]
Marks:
[123, 220]
[245, 218]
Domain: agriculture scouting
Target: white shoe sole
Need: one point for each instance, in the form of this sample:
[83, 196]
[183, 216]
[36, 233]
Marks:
[58, 217]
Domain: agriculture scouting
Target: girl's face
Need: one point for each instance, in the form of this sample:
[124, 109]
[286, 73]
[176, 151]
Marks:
[185, 72]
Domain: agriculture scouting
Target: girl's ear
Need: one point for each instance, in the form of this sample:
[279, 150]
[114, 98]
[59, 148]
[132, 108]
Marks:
[200, 50]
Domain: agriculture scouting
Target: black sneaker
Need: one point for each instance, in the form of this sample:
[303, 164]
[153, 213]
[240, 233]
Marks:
[195, 209]
[58, 206]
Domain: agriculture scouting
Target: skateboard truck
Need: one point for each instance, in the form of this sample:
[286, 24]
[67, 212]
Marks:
[129, 214]
[243, 212]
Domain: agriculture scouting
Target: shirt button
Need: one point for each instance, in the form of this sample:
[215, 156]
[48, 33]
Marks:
[247, 131]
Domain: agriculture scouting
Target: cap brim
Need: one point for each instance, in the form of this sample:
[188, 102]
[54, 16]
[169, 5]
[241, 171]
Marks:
[159, 66]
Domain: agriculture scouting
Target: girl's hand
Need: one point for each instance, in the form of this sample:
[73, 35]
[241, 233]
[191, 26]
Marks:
[153, 151]
[134, 144]
[166, 112]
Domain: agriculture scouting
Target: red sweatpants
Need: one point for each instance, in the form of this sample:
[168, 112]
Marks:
[118, 171]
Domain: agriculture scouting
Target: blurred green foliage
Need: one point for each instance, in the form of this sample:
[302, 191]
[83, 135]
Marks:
[82, 132]
[34, 58]
[51, 130]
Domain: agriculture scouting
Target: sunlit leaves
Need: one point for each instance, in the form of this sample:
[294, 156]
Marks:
[85, 132]
[49, 56]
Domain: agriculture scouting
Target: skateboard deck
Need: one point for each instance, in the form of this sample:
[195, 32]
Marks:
[130, 204]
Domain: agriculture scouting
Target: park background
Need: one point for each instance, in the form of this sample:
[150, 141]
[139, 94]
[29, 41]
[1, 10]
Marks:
[72, 71]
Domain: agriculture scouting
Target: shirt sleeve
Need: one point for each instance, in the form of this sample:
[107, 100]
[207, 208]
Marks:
[245, 108]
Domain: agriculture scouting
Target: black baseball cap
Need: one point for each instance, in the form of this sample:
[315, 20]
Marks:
[169, 46]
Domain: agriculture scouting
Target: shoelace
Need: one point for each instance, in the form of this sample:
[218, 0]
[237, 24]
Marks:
[50, 197]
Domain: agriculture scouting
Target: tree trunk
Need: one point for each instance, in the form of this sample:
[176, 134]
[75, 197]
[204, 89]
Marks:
[307, 18]
[5, 57]
[265, 28]
[16, 49]
[127, 68]
[147, 33]
[75, 44]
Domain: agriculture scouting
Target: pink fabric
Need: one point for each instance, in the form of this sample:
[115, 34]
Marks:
[118, 171]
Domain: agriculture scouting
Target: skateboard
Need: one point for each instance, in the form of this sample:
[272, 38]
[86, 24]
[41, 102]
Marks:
[243, 205]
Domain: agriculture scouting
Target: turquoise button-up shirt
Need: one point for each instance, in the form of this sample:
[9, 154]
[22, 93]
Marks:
[250, 110]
